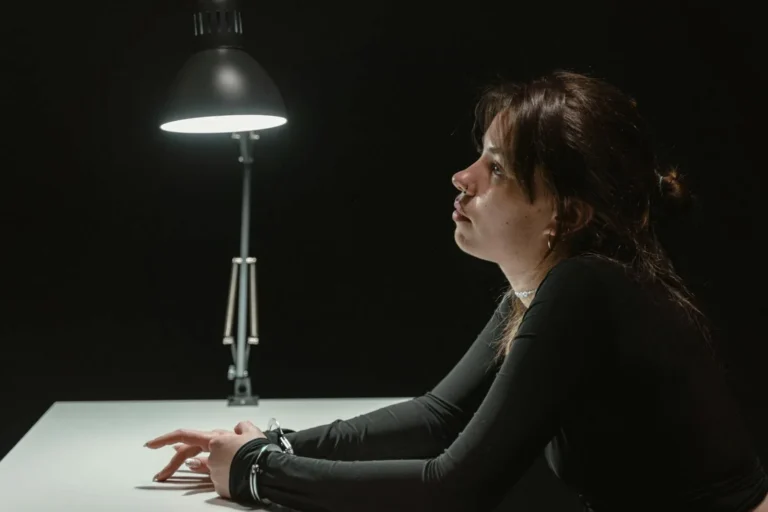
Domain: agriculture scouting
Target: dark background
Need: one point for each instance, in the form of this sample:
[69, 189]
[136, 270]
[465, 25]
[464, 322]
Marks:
[117, 237]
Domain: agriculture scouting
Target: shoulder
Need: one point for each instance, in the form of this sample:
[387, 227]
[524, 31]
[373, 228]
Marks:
[585, 276]
[587, 267]
[575, 301]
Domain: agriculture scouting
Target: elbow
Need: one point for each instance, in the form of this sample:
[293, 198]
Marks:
[449, 496]
[453, 486]
[443, 477]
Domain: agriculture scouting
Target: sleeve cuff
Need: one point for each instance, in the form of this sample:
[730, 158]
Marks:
[240, 470]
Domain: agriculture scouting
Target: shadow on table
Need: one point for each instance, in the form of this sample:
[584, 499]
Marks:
[198, 484]
[193, 484]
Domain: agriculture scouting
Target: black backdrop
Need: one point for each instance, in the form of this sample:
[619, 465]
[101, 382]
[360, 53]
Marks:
[117, 237]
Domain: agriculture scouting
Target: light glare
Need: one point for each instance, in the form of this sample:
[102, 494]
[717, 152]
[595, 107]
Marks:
[223, 124]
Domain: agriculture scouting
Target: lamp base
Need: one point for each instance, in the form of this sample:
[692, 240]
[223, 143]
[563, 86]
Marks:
[250, 400]
[242, 394]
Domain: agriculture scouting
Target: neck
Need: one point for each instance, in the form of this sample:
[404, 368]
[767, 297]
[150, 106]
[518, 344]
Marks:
[526, 277]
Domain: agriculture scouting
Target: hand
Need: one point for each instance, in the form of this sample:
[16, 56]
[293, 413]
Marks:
[221, 444]
[184, 452]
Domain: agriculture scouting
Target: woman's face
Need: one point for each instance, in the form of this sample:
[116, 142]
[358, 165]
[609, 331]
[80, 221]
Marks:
[500, 224]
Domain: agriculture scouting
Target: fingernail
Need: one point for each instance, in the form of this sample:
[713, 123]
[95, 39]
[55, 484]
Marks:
[146, 444]
[192, 463]
[154, 478]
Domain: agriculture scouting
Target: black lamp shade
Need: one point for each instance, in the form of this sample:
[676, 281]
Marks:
[223, 90]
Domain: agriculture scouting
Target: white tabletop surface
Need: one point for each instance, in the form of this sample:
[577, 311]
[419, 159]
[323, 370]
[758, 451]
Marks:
[89, 456]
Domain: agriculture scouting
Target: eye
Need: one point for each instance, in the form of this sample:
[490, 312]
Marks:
[496, 169]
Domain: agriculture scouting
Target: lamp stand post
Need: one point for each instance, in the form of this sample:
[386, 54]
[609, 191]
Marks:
[242, 267]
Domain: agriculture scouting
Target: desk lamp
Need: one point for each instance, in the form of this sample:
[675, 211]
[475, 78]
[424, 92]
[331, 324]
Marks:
[222, 89]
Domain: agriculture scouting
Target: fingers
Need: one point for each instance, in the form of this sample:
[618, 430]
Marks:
[189, 443]
[198, 464]
[190, 437]
[217, 431]
[177, 460]
[245, 426]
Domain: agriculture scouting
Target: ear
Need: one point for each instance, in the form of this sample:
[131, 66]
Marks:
[576, 215]
[551, 229]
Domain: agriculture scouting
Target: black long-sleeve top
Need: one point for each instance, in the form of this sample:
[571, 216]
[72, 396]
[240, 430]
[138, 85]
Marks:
[605, 377]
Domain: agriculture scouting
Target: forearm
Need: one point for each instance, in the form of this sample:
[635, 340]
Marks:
[314, 485]
[415, 429]
[418, 428]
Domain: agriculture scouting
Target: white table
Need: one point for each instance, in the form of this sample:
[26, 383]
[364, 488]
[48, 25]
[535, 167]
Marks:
[89, 456]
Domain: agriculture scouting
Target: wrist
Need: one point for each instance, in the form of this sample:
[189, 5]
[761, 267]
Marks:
[257, 469]
[273, 436]
[240, 470]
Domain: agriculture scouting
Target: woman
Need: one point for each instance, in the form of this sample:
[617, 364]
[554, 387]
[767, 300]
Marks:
[596, 355]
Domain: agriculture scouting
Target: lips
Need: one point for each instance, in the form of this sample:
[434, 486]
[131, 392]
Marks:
[458, 207]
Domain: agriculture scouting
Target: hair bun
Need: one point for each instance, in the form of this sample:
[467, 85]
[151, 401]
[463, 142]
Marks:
[675, 195]
[672, 184]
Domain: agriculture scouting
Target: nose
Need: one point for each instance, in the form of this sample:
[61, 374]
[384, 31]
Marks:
[459, 183]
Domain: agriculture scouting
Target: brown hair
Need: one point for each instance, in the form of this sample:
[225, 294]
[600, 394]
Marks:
[590, 144]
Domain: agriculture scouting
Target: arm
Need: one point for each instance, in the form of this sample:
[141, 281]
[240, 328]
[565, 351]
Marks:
[418, 428]
[554, 351]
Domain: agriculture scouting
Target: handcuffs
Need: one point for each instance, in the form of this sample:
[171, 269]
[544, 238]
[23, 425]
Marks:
[283, 445]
